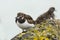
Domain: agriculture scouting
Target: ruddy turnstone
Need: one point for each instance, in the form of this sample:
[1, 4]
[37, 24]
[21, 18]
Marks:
[24, 21]
[47, 15]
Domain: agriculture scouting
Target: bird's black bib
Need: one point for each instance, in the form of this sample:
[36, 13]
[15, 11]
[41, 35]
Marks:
[21, 20]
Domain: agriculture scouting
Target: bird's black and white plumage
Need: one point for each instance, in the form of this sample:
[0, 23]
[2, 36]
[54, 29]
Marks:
[22, 21]
[25, 21]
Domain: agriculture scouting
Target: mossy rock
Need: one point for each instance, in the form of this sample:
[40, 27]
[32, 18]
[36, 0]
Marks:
[47, 30]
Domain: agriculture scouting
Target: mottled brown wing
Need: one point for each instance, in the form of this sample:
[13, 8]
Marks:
[40, 18]
[29, 19]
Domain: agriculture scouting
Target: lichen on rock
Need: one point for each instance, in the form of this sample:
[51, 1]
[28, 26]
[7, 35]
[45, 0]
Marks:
[47, 30]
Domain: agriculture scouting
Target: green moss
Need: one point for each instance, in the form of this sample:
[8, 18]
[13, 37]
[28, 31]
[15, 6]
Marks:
[47, 30]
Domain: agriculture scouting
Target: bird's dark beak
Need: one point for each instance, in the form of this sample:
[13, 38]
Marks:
[16, 19]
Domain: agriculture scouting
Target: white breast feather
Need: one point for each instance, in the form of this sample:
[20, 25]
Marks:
[24, 25]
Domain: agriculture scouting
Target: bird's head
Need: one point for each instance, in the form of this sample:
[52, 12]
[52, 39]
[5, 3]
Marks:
[51, 9]
[20, 18]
